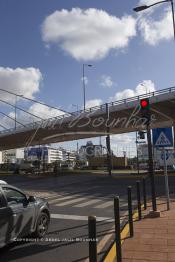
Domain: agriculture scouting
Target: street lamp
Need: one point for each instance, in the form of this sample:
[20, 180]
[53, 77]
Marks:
[143, 7]
[84, 86]
[145, 88]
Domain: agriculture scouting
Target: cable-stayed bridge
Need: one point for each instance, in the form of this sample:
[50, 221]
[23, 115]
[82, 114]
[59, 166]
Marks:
[115, 117]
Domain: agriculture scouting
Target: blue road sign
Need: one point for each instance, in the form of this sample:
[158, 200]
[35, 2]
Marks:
[163, 155]
[163, 137]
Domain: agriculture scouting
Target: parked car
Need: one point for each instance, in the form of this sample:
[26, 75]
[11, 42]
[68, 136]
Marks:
[21, 215]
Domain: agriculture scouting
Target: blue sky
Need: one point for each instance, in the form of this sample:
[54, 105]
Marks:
[42, 52]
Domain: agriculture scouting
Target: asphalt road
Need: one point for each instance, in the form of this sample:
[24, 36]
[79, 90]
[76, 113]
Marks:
[72, 199]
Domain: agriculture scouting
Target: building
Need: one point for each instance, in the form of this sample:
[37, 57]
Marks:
[69, 155]
[49, 155]
[90, 150]
[13, 156]
[45, 154]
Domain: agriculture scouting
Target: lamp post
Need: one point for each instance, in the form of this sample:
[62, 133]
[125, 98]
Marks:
[84, 85]
[146, 88]
[143, 7]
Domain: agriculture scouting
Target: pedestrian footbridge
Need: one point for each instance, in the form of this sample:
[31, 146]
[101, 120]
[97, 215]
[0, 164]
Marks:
[115, 117]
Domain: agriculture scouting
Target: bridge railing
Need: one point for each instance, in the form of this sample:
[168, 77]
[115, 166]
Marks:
[101, 107]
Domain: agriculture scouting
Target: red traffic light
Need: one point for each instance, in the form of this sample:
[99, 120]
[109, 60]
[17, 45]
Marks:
[144, 103]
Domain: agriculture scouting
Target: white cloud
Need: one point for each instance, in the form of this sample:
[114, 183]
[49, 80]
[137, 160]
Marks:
[122, 138]
[123, 143]
[24, 118]
[106, 81]
[87, 34]
[146, 86]
[44, 111]
[154, 30]
[22, 81]
[93, 102]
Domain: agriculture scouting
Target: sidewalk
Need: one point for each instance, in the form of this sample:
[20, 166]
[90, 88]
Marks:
[154, 238]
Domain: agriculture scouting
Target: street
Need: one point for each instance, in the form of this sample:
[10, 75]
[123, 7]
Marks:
[72, 199]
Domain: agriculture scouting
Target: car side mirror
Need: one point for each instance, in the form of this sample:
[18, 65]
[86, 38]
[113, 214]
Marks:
[31, 199]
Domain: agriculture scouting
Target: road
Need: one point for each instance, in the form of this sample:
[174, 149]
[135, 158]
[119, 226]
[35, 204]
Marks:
[72, 199]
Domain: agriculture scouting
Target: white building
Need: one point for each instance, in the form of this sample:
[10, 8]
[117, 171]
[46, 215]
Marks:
[49, 155]
[13, 155]
[54, 155]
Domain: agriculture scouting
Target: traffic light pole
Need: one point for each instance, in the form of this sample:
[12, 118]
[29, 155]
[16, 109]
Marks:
[151, 168]
[138, 166]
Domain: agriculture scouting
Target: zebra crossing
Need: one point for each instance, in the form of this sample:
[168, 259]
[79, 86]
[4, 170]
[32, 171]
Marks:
[79, 201]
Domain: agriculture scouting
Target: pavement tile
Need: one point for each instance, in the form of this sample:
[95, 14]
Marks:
[128, 254]
[157, 256]
[171, 242]
[171, 256]
[154, 238]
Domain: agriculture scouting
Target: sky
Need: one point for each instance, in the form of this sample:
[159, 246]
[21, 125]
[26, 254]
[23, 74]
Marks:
[44, 45]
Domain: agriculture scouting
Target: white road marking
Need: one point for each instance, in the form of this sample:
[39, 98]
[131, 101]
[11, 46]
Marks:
[88, 203]
[104, 205]
[61, 199]
[81, 218]
[71, 202]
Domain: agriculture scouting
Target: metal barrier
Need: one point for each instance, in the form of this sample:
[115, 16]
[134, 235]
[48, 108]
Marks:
[117, 228]
[92, 239]
[139, 200]
[130, 213]
[92, 222]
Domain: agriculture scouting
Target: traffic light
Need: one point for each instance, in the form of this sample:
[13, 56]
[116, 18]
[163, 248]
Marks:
[145, 109]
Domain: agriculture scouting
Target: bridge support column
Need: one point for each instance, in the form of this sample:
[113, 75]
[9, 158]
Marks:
[108, 143]
[108, 146]
[174, 134]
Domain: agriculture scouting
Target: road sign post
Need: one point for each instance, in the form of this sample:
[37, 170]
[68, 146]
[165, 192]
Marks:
[163, 137]
[151, 169]
[166, 180]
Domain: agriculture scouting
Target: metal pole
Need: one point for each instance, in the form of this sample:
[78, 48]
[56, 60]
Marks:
[131, 230]
[84, 90]
[117, 229]
[138, 168]
[144, 194]
[108, 145]
[15, 110]
[92, 239]
[172, 6]
[166, 180]
[151, 169]
[139, 200]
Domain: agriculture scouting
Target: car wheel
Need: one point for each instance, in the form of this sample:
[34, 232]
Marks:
[42, 225]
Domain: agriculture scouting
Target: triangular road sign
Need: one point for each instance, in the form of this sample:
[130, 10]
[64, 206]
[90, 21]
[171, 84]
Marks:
[163, 140]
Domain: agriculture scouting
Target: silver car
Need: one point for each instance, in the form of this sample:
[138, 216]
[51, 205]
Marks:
[21, 215]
